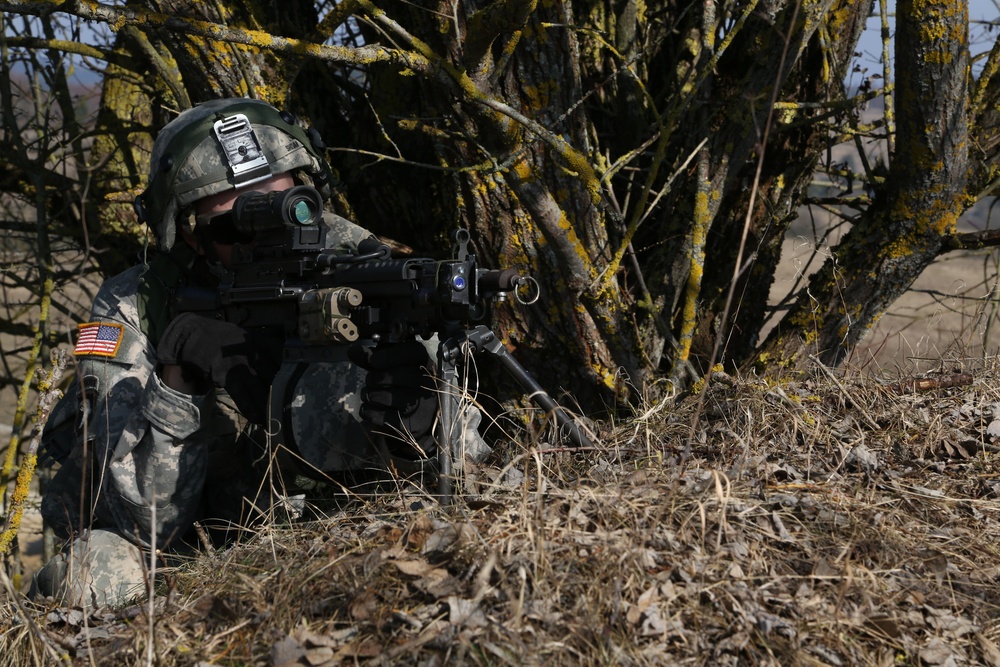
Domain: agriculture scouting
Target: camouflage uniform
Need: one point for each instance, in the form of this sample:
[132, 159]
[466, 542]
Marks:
[141, 445]
[141, 462]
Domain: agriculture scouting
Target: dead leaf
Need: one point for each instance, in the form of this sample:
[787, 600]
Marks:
[342, 635]
[824, 569]
[937, 652]
[949, 625]
[319, 655]
[286, 652]
[936, 562]
[779, 525]
[414, 568]
[363, 606]
[477, 504]
[465, 613]
[91, 634]
[635, 611]
[433, 580]
[365, 648]
[653, 624]
[418, 532]
[827, 655]
[310, 639]
[202, 607]
[448, 537]
[862, 458]
[884, 625]
[991, 653]
[71, 617]
[213, 606]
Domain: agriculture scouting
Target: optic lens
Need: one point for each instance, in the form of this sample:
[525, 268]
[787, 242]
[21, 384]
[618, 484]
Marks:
[269, 211]
[302, 212]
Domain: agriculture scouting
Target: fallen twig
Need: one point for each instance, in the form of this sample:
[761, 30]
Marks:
[926, 384]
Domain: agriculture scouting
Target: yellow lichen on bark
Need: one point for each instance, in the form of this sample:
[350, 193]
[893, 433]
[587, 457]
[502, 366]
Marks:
[17, 501]
[703, 214]
[524, 171]
[578, 248]
[941, 27]
[838, 16]
[540, 96]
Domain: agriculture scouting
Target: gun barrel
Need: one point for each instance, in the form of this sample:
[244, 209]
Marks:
[499, 280]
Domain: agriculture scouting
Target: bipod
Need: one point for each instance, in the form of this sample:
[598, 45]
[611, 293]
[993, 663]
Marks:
[482, 339]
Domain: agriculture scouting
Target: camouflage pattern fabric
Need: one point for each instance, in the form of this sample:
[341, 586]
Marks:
[133, 444]
[99, 569]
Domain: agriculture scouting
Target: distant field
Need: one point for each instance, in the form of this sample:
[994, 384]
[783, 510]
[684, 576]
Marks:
[947, 314]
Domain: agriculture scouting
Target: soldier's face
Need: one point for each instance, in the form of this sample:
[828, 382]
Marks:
[222, 202]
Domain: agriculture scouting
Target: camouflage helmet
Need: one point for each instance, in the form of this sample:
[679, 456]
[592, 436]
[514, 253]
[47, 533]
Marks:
[221, 145]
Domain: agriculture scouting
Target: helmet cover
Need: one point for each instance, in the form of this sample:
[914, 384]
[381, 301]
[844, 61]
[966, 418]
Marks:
[218, 146]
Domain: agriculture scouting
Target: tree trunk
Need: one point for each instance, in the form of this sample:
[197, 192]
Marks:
[796, 143]
[527, 206]
[804, 51]
[903, 231]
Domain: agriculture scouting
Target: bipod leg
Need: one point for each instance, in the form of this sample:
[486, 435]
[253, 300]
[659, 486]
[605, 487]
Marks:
[448, 351]
[483, 339]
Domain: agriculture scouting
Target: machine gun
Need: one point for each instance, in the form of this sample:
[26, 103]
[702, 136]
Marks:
[323, 298]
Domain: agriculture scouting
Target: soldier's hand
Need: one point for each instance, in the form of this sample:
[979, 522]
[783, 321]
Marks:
[399, 400]
[212, 352]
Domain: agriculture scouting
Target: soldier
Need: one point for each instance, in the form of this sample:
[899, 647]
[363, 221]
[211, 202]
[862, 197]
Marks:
[167, 421]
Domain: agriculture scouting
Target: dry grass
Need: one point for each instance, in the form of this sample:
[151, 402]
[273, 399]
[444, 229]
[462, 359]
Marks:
[815, 522]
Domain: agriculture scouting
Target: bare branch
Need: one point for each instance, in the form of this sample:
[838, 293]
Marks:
[118, 17]
[64, 45]
[424, 60]
[505, 16]
[971, 241]
[49, 394]
[914, 385]
[168, 72]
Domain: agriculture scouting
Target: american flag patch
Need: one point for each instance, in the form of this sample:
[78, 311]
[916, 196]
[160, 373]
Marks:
[99, 339]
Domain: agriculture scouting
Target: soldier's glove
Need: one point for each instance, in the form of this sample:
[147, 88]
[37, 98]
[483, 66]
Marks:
[398, 400]
[213, 352]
